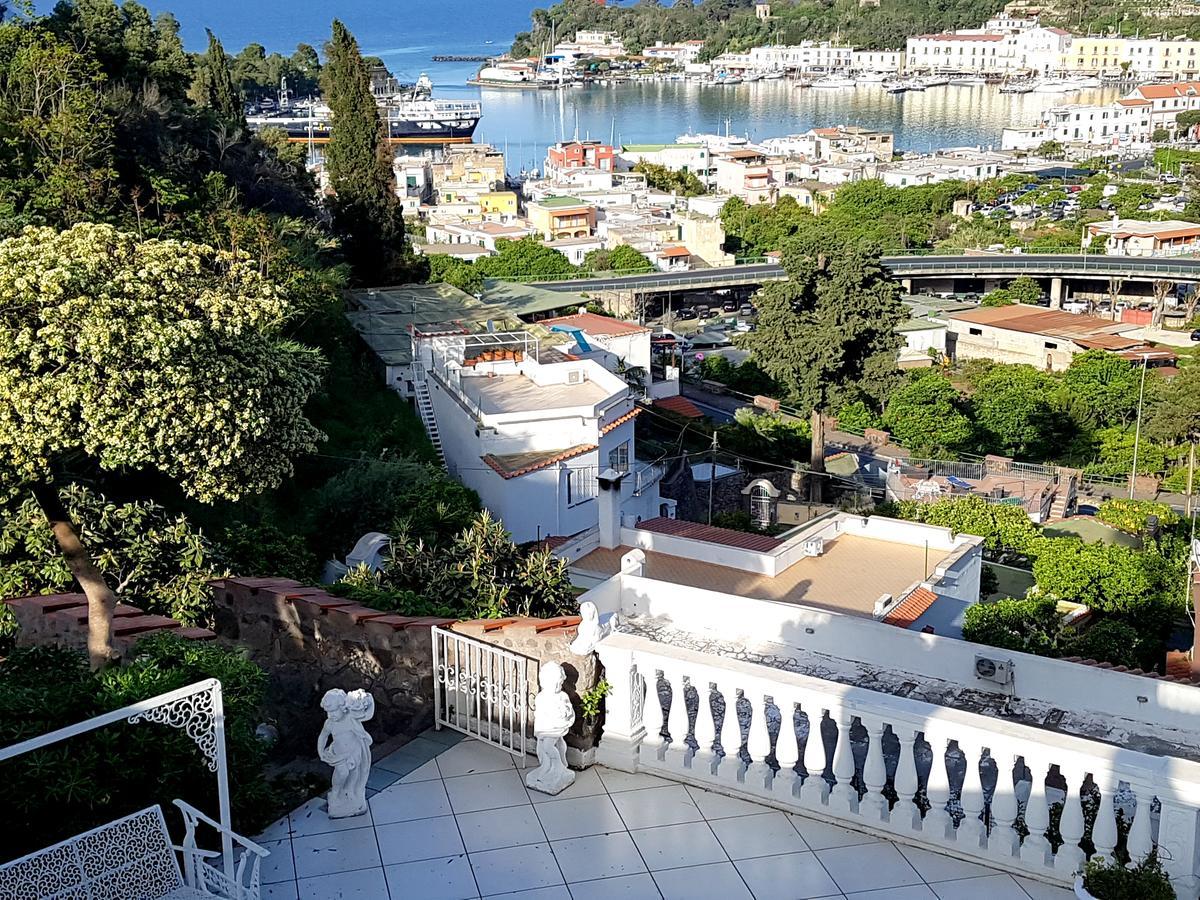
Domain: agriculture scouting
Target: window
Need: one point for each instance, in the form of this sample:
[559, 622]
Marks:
[581, 485]
[618, 458]
[978, 332]
[1050, 345]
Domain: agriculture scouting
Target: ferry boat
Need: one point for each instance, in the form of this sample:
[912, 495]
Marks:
[411, 116]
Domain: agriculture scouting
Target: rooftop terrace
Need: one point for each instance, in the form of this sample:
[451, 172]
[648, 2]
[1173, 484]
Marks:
[504, 394]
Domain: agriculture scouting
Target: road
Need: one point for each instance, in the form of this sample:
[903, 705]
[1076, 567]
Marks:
[998, 265]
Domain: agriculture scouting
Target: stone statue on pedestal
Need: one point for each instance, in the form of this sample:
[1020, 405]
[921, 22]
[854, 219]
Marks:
[553, 717]
[590, 631]
[345, 745]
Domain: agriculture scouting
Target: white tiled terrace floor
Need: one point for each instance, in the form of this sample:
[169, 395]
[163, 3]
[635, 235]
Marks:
[451, 819]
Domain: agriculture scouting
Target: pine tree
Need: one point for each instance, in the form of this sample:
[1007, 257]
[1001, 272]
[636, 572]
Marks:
[213, 86]
[365, 210]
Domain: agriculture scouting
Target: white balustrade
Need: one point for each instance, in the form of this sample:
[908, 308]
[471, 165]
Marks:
[985, 832]
[787, 753]
[758, 745]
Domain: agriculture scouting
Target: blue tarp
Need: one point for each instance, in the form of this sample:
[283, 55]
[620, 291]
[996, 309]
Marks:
[959, 483]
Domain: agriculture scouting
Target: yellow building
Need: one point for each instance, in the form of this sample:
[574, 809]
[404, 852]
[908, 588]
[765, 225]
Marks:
[1096, 54]
[500, 205]
[556, 218]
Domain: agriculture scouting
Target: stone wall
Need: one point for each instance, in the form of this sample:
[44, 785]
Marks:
[310, 641]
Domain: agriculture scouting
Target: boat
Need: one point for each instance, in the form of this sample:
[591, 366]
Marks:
[834, 82]
[898, 86]
[411, 116]
[934, 81]
[1017, 87]
[871, 77]
[915, 84]
[507, 76]
[751, 77]
[967, 81]
[773, 75]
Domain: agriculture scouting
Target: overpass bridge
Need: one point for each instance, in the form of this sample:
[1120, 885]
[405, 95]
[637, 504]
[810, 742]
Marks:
[912, 266]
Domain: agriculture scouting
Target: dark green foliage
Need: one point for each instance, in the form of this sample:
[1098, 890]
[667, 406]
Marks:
[389, 495]
[264, 550]
[1112, 881]
[213, 87]
[478, 573]
[454, 271]
[622, 258]
[1029, 626]
[1131, 516]
[153, 559]
[55, 793]
[925, 414]
[766, 436]
[365, 210]
[1012, 412]
[1106, 384]
[673, 181]
[1177, 416]
[857, 417]
[1139, 585]
[827, 335]
[526, 258]
[746, 378]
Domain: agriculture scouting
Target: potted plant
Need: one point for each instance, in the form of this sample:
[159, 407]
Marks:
[581, 742]
[591, 702]
[1105, 880]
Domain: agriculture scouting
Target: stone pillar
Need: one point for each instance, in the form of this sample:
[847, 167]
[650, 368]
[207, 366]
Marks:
[906, 285]
[1056, 293]
[623, 728]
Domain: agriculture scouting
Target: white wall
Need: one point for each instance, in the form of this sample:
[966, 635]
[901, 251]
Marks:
[1064, 685]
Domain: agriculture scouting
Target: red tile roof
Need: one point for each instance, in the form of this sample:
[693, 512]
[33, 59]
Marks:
[673, 252]
[616, 423]
[710, 534]
[681, 406]
[1163, 91]
[591, 323]
[514, 465]
[911, 608]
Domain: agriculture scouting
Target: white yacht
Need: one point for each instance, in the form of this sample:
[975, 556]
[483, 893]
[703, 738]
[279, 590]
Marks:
[871, 77]
[834, 82]
[967, 81]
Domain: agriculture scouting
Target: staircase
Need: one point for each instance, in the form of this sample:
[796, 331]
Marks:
[425, 411]
[1065, 493]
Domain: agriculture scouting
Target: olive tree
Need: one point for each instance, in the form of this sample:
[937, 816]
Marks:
[132, 356]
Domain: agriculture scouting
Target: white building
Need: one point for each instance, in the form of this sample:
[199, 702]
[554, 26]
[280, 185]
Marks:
[809, 56]
[597, 44]
[481, 234]
[617, 345]
[681, 54]
[691, 157]
[531, 431]
[877, 61]
[972, 52]
[1135, 237]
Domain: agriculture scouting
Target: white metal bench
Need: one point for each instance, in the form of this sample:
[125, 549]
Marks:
[133, 859]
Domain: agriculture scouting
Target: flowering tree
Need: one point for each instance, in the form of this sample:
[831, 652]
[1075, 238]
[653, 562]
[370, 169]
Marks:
[125, 355]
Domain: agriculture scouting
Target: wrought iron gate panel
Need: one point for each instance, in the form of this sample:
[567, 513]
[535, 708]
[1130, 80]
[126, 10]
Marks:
[483, 691]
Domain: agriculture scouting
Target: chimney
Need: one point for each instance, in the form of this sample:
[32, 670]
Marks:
[610, 508]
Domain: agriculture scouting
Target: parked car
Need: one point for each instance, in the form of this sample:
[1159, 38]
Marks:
[702, 311]
[971, 297]
[1195, 335]
[687, 313]
[729, 306]
[746, 309]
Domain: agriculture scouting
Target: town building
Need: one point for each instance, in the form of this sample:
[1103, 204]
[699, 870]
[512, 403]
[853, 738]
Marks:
[621, 347]
[1150, 57]
[531, 430]
[681, 54]
[1003, 46]
[744, 173]
[952, 164]
[681, 157]
[467, 170]
[1135, 237]
[555, 218]
[479, 234]
[1044, 338]
[414, 182]
[575, 249]
[594, 44]
[889, 61]
[577, 154]
[808, 56]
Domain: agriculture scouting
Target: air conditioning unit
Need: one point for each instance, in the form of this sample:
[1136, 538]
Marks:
[995, 670]
[575, 376]
[814, 547]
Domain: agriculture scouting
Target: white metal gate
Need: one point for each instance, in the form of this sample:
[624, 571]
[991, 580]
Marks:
[483, 691]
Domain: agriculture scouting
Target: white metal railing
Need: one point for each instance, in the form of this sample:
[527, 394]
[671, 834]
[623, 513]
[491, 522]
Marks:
[483, 691]
[1019, 798]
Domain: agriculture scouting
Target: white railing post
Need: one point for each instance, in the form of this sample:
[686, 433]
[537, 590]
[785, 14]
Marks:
[707, 758]
[1070, 856]
[874, 805]
[844, 796]
[906, 815]
[1035, 848]
[1140, 840]
[1004, 841]
[623, 711]
[938, 825]
[1179, 844]
[678, 755]
[731, 737]
[972, 832]
[758, 744]
[786, 783]
[1104, 832]
[812, 792]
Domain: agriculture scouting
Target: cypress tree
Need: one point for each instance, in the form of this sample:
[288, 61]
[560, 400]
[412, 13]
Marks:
[365, 210]
[213, 85]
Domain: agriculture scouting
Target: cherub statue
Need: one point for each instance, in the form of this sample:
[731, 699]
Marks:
[345, 745]
[590, 631]
[553, 716]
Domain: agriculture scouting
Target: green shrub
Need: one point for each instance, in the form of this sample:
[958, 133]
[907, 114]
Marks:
[1112, 881]
[1130, 515]
[72, 786]
[1028, 626]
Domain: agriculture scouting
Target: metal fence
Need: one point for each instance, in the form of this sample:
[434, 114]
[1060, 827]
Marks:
[483, 691]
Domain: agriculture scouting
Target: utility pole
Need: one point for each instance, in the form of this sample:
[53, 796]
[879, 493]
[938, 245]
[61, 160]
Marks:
[1188, 506]
[1137, 432]
[712, 474]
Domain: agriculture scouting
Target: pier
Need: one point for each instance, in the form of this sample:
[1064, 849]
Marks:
[444, 58]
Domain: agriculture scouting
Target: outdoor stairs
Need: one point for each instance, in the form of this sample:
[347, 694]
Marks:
[425, 411]
[1065, 490]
